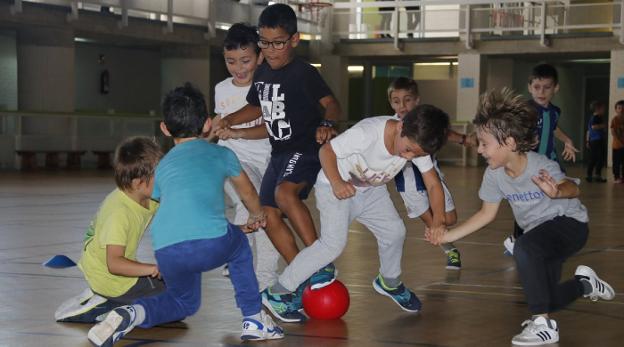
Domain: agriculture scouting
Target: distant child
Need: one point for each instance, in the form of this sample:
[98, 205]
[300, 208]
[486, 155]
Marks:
[543, 85]
[544, 203]
[190, 234]
[242, 55]
[291, 96]
[108, 259]
[596, 141]
[403, 96]
[617, 130]
[352, 186]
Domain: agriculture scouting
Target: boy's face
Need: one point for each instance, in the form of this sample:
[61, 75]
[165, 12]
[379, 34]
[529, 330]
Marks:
[271, 37]
[406, 148]
[241, 64]
[493, 152]
[543, 90]
[402, 101]
[619, 110]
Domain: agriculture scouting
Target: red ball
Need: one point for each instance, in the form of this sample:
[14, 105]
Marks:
[330, 302]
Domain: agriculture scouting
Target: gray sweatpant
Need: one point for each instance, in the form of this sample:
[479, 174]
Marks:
[266, 256]
[373, 208]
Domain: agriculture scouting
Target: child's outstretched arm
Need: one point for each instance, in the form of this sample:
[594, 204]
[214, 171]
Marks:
[565, 189]
[468, 140]
[246, 114]
[250, 199]
[436, 199]
[329, 162]
[569, 151]
[483, 217]
[119, 265]
[332, 114]
[253, 133]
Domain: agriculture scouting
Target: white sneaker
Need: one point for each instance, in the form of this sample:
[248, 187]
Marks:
[116, 325]
[600, 289]
[265, 329]
[537, 331]
[509, 245]
[78, 305]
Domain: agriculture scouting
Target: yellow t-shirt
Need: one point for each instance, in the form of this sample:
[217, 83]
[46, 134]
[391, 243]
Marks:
[119, 221]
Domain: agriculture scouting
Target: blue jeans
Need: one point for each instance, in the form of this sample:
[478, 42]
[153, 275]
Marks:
[181, 266]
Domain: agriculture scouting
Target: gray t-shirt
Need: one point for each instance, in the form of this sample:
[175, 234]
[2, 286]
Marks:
[530, 205]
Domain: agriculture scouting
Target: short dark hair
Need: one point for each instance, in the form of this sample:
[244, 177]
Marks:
[135, 157]
[279, 16]
[543, 71]
[596, 105]
[241, 36]
[427, 126]
[403, 83]
[184, 111]
[507, 114]
[620, 102]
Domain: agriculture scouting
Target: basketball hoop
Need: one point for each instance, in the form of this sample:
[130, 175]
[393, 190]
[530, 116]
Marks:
[314, 7]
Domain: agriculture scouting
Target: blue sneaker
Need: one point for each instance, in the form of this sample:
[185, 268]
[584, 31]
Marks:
[323, 277]
[400, 295]
[298, 294]
[282, 306]
[264, 329]
[116, 325]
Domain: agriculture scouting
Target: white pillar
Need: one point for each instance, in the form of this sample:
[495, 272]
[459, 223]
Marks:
[471, 84]
[616, 90]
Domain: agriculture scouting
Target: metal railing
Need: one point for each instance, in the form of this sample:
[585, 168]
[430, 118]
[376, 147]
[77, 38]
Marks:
[469, 19]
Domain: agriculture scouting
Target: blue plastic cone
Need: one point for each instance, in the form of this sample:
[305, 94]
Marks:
[59, 262]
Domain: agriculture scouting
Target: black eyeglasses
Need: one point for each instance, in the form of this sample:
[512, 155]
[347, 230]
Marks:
[279, 45]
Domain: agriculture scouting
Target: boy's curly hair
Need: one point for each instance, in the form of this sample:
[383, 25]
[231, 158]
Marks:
[506, 114]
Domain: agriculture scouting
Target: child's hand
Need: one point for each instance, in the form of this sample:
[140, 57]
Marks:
[222, 123]
[569, 152]
[228, 133]
[343, 190]
[324, 134]
[155, 273]
[254, 222]
[471, 140]
[437, 236]
[547, 184]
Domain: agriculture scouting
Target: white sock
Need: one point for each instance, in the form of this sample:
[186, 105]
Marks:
[255, 317]
[140, 314]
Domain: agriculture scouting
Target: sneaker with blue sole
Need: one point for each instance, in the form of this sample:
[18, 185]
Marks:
[323, 277]
[402, 296]
[282, 306]
[263, 329]
[115, 326]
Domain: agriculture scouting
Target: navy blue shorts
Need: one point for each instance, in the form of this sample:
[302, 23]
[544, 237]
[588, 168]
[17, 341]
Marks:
[295, 167]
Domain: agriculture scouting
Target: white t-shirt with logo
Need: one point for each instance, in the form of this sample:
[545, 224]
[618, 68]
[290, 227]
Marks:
[363, 158]
[230, 98]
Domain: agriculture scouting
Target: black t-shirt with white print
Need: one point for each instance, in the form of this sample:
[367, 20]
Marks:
[289, 98]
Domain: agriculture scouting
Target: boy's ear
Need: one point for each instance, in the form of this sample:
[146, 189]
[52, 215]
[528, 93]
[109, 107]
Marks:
[417, 101]
[164, 129]
[294, 40]
[207, 125]
[511, 143]
[556, 87]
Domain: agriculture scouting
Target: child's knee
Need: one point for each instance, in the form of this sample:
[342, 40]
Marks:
[451, 218]
[334, 246]
[286, 197]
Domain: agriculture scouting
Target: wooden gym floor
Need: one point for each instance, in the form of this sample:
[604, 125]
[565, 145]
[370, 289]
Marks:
[46, 213]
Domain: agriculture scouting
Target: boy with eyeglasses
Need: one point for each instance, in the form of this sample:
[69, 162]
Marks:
[299, 112]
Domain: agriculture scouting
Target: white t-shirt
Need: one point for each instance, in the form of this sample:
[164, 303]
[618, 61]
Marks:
[230, 98]
[363, 158]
